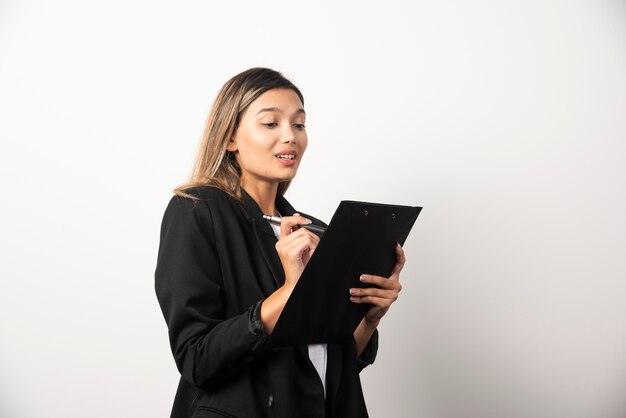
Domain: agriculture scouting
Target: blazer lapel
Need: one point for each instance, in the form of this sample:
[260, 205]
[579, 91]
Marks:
[267, 244]
[265, 235]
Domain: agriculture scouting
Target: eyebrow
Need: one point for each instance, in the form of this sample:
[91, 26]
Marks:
[277, 110]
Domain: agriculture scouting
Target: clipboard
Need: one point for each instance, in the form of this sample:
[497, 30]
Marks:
[360, 239]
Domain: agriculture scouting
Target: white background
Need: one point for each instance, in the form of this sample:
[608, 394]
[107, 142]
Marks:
[506, 120]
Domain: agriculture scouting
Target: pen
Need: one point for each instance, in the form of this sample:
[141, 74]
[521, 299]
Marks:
[313, 228]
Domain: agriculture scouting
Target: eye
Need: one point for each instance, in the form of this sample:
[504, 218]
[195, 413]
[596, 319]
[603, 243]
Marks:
[299, 126]
[270, 124]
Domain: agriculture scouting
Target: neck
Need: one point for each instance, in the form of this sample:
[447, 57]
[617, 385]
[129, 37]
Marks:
[264, 194]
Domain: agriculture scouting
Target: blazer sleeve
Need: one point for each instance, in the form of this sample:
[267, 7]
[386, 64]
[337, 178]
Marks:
[207, 346]
[368, 355]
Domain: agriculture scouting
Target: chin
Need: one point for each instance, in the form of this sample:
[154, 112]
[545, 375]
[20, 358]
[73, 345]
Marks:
[289, 175]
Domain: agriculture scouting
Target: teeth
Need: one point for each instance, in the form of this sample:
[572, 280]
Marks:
[286, 157]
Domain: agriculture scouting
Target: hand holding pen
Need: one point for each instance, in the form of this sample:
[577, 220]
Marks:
[276, 220]
[295, 246]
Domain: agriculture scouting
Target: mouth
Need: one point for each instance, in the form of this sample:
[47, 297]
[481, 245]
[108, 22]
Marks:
[286, 156]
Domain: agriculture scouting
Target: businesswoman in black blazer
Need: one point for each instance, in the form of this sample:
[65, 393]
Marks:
[224, 274]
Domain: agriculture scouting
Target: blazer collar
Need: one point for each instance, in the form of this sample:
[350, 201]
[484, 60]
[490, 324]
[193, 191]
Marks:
[255, 214]
[265, 234]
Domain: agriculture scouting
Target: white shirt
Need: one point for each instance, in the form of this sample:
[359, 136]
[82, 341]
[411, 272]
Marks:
[318, 353]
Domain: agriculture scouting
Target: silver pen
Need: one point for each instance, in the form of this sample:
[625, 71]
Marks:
[276, 220]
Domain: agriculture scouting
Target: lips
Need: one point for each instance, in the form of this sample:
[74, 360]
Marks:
[287, 157]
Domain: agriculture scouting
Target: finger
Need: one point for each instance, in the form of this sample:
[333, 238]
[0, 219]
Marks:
[400, 260]
[298, 234]
[295, 220]
[297, 242]
[305, 239]
[288, 223]
[380, 281]
[372, 291]
[382, 303]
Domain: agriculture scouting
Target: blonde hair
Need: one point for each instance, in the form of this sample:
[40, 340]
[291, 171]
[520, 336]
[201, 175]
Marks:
[214, 165]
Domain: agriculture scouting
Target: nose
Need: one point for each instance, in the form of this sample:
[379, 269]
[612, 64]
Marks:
[288, 136]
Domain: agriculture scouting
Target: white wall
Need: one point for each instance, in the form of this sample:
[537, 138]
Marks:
[504, 119]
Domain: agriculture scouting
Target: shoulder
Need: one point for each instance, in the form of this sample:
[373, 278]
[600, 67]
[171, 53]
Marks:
[197, 206]
[206, 207]
[202, 198]
[204, 194]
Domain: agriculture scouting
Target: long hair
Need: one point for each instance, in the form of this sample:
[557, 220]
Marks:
[214, 165]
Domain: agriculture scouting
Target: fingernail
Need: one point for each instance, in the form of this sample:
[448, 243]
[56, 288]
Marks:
[309, 221]
[352, 299]
[352, 291]
[362, 278]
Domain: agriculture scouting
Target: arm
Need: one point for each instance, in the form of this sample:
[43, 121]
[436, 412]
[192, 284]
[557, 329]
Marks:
[206, 346]
[362, 335]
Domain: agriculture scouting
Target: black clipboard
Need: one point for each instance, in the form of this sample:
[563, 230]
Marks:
[360, 239]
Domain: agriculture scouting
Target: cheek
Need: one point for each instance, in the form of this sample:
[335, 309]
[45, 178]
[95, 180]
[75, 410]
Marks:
[255, 156]
[304, 142]
[255, 146]
[261, 142]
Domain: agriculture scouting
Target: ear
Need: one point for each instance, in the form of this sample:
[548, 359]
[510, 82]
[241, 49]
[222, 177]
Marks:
[232, 145]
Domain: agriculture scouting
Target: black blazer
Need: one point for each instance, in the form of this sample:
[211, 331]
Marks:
[216, 263]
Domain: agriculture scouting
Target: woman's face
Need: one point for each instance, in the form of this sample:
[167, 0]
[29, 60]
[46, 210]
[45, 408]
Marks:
[271, 138]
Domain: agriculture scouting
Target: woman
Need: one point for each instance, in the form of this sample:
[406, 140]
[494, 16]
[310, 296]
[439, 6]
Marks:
[224, 275]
